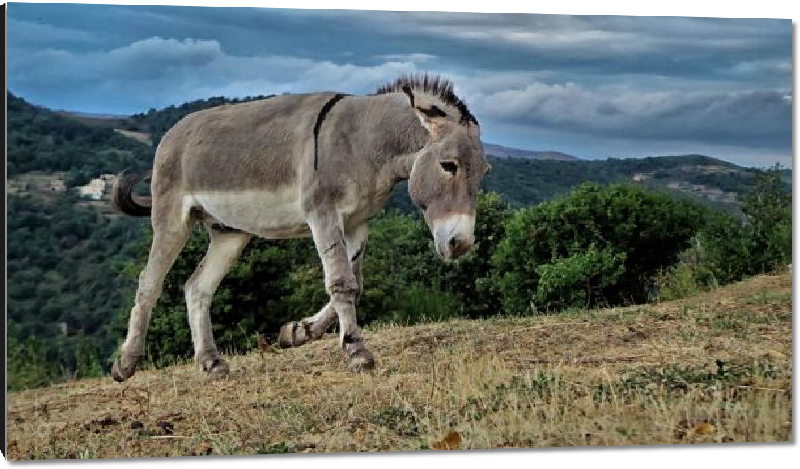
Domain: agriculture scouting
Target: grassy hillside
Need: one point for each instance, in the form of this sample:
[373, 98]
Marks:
[713, 368]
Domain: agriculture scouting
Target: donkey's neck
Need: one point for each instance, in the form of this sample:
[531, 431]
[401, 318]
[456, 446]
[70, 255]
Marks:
[400, 136]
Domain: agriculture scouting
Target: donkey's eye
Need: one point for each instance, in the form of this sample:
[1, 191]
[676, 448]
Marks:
[449, 166]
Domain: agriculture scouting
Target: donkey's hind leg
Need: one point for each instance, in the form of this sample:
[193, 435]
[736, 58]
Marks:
[167, 244]
[297, 333]
[223, 250]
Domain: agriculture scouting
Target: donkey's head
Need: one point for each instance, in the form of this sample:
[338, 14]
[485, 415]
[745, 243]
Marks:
[448, 170]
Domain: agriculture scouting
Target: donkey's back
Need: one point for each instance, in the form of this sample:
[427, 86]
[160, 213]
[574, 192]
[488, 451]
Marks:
[237, 147]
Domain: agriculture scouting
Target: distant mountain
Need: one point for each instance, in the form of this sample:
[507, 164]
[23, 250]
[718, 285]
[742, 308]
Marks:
[91, 115]
[500, 151]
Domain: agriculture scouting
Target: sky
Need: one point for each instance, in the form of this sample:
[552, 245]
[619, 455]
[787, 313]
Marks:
[591, 86]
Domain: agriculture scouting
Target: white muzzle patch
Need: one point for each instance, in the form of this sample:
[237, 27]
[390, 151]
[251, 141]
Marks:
[453, 235]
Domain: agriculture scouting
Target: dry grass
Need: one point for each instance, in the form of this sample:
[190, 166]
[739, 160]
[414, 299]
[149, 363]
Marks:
[713, 368]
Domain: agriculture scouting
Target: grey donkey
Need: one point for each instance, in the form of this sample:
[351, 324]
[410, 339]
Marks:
[301, 165]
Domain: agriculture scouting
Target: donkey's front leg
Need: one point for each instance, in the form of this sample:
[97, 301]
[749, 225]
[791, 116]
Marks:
[296, 333]
[342, 286]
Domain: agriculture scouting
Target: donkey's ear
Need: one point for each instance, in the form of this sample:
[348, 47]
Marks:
[430, 115]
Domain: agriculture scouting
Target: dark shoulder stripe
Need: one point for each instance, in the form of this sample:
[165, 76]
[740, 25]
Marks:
[409, 93]
[321, 117]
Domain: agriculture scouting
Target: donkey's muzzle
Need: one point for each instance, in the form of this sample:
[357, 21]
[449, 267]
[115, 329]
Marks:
[454, 235]
[457, 247]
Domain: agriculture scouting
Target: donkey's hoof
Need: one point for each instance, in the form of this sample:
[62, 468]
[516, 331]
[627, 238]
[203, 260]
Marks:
[361, 361]
[124, 367]
[216, 368]
[293, 334]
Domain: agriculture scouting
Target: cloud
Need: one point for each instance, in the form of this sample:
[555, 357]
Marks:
[583, 35]
[749, 118]
[414, 57]
[757, 68]
[162, 71]
[32, 34]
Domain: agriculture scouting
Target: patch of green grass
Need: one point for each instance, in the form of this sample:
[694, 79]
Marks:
[540, 386]
[277, 448]
[402, 421]
[724, 324]
[678, 379]
[767, 297]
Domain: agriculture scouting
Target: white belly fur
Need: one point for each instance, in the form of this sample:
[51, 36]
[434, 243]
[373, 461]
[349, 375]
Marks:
[270, 214]
[276, 214]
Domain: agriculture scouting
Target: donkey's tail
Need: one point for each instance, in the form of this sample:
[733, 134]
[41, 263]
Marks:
[125, 201]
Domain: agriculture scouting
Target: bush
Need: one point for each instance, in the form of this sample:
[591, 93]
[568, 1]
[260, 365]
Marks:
[28, 365]
[572, 280]
[677, 282]
[599, 245]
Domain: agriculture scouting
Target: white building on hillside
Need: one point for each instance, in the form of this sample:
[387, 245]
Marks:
[94, 190]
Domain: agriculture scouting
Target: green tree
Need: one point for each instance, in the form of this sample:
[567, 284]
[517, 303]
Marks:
[723, 251]
[769, 213]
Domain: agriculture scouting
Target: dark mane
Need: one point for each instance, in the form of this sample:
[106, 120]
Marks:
[435, 85]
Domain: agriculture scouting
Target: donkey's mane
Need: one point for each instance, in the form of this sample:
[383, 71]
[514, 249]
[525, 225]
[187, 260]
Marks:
[434, 85]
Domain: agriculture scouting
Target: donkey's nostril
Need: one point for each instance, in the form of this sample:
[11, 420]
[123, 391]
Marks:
[458, 247]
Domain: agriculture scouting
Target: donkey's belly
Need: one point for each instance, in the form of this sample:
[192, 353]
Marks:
[270, 214]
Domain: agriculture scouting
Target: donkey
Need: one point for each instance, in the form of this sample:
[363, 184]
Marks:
[301, 165]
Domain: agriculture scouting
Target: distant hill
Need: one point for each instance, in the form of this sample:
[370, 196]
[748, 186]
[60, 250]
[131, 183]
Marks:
[43, 140]
[500, 151]
[707, 180]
